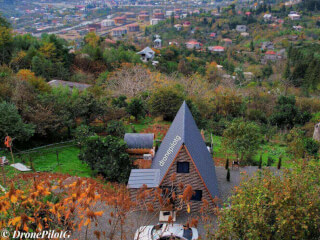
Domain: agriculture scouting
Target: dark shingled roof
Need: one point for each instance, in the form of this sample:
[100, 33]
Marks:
[139, 177]
[184, 130]
[139, 140]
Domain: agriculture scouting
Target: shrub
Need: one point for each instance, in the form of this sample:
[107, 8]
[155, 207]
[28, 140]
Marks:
[107, 156]
[166, 101]
[116, 128]
[243, 138]
[269, 206]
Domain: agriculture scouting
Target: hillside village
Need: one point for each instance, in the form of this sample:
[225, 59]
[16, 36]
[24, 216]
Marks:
[160, 119]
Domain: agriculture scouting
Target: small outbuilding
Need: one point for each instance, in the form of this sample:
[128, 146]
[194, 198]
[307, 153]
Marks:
[139, 140]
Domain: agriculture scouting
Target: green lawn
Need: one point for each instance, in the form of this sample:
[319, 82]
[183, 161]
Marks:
[45, 160]
[274, 150]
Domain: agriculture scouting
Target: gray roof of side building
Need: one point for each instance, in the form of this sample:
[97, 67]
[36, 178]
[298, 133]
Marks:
[80, 86]
[139, 140]
[140, 177]
[184, 130]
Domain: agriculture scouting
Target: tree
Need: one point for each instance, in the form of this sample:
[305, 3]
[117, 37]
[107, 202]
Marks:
[166, 101]
[279, 163]
[287, 73]
[11, 123]
[136, 108]
[116, 128]
[251, 46]
[286, 114]
[312, 147]
[274, 206]
[82, 133]
[6, 42]
[37, 82]
[243, 138]
[120, 102]
[227, 164]
[260, 161]
[295, 141]
[212, 73]
[107, 156]
[228, 175]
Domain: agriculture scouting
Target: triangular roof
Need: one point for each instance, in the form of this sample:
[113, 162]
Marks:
[146, 50]
[184, 130]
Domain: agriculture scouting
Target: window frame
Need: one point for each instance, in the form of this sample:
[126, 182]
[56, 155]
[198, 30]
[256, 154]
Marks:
[193, 198]
[183, 162]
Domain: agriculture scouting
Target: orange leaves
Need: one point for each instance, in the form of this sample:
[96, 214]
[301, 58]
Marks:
[15, 221]
[187, 193]
[173, 177]
[98, 214]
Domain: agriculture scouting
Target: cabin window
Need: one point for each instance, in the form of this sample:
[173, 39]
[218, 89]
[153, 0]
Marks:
[197, 196]
[182, 167]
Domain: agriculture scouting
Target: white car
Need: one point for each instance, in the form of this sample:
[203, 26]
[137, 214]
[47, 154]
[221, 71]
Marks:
[166, 232]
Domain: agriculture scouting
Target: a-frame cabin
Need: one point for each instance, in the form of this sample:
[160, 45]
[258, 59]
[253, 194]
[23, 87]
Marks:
[182, 152]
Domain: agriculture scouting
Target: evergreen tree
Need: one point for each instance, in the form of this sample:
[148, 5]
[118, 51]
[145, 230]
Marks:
[279, 162]
[251, 46]
[286, 74]
[260, 162]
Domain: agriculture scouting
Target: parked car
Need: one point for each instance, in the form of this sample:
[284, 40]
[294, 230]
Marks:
[166, 232]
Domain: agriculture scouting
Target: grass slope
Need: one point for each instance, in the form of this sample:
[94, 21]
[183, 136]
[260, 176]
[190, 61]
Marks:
[45, 160]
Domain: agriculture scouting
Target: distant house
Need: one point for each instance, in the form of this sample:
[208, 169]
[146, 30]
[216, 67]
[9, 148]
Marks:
[212, 35]
[70, 85]
[182, 155]
[216, 49]
[297, 28]
[120, 20]
[169, 13]
[294, 16]
[143, 17]
[244, 34]
[178, 11]
[241, 28]
[159, 15]
[186, 24]
[274, 56]
[267, 17]
[118, 32]
[193, 45]
[267, 46]
[227, 41]
[147, 54]
[107, 23]
[130, 14]
[157, 43]
[174, 43]
[133, 27]
[270, 55]
[155, 21]
[178, 27]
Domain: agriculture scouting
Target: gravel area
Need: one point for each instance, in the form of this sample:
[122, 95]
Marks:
[137, 219]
